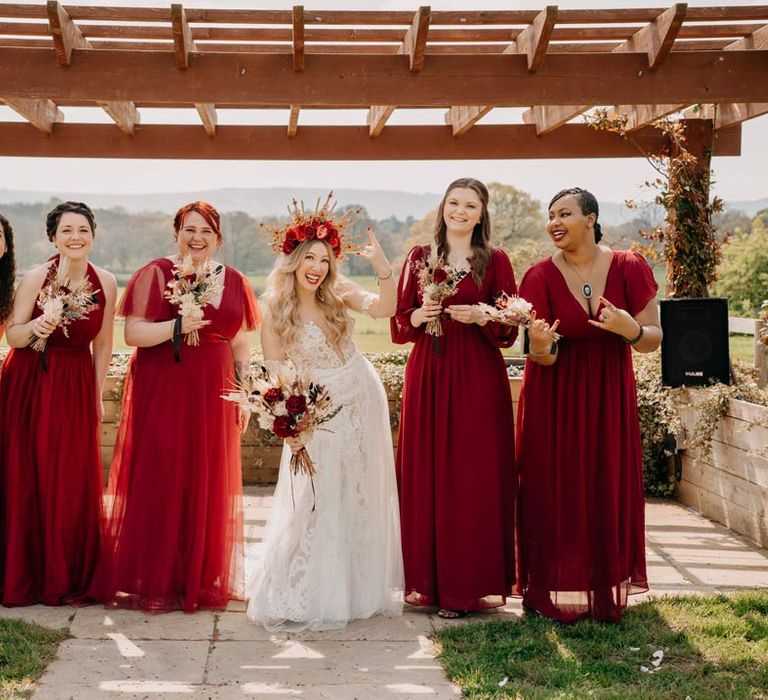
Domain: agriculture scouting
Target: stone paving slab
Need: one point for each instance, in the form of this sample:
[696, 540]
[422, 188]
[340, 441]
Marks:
[130, 654]
[99, 623]
[296, 664]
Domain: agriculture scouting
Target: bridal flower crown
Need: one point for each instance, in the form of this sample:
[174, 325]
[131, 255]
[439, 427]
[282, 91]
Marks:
[317, 225]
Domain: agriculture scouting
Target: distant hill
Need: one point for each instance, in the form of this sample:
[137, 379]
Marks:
[260, 202]
[271, 201]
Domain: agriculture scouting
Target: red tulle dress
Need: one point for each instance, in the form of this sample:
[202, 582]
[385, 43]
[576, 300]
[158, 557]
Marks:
[51, 465]
[455, 450]
[174, 536]
[581, 507]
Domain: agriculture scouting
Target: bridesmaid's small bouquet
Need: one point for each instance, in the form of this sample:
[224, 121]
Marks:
[287, 403]
[510, 310]
[61, 303]
[192, 288]
[438, 281]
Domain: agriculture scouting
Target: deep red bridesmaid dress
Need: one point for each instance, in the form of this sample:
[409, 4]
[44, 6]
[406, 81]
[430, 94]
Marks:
[455, 451]
[51, 465]
[581, 537]
[175, 531]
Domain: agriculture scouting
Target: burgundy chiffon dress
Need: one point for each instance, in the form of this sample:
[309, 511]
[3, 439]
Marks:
[581, 518]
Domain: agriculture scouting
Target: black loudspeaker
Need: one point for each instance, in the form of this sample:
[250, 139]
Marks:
[695, 346]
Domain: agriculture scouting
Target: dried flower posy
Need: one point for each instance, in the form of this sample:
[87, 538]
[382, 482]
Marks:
[62, 303]
[287, 403]
[438, 281]
[192, 288]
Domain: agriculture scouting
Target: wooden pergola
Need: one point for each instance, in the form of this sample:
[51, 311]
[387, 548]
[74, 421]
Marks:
[555, 63]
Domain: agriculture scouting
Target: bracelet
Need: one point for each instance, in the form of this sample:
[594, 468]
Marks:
[382, 279]
[552, 351]
[637, 338]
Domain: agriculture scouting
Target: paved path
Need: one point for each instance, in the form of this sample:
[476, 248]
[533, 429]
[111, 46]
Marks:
[126, 654]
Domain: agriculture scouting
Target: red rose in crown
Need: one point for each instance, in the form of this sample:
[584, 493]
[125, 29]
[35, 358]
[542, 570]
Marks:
[319, 225]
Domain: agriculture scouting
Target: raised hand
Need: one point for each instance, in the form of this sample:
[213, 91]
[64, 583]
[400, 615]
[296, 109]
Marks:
[615, 320]
[374, 254]
[541, 335]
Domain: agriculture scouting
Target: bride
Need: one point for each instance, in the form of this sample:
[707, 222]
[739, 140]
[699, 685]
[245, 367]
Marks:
[331, 551]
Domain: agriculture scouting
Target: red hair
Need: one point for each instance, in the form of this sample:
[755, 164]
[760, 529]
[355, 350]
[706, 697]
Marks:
[207, 211]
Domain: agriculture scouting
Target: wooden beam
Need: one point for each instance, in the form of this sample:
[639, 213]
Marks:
[655, 40]
[462, 119]
[182, 35]
[66, 34]
[293, 121]
[549, 118]
[639, 116]
[42, 114]
[756, 41]
[415, 40]
[491, 141]
[534, 39]
[298, 38]
[726, 115]
[657, 37]
[207, 112]
[267, 80]
[124, 114]
[377, 118]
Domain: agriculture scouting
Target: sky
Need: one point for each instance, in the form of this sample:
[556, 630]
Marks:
[736, 178]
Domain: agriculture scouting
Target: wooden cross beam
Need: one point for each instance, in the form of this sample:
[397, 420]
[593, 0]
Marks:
[532, 42]
[414, 44]
[655, 40]
[725, 115]
[42, 114]
[183, 44]
[293, 121]
[298, 38]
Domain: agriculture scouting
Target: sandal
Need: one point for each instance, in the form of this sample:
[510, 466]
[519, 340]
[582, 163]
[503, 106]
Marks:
[448, 614]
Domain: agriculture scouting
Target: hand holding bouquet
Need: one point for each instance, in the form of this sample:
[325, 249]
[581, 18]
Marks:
[288, 404]
[510, 310]
[438, 281]
[192, 288]
[62, 303]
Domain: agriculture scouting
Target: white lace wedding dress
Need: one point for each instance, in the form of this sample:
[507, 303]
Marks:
[332, 554]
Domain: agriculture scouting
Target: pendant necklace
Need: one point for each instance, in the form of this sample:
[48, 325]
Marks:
[586, 287]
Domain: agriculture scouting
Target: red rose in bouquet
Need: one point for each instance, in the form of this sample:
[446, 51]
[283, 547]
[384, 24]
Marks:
[439, 275]
[296, 405]
[283, 427]
[273, 395]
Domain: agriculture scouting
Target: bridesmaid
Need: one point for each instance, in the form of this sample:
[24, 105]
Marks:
[7, 272]
[49, 426]
[455, 452]
[581, 538]
[175, 533]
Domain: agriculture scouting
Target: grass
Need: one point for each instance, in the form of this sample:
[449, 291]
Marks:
[25, 651]
[714, 647]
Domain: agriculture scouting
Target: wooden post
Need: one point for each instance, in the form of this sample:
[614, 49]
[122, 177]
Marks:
[761, 353]
[699, 141]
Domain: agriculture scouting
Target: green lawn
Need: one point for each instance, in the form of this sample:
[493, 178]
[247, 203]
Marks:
[713, 647]
[25, 651]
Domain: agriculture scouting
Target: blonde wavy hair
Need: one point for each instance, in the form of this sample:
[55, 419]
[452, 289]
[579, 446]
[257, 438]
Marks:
[282, 301]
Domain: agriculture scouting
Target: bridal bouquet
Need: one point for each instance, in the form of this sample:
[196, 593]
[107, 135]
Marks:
[61, 304]
[510, 310]
[287, 403]
[192, 288]
[438, 281]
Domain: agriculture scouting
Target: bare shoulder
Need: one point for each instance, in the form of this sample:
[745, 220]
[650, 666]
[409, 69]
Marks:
[107, 279]
[36, 276]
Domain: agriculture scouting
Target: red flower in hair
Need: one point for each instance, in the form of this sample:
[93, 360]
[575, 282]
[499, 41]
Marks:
[322, 232]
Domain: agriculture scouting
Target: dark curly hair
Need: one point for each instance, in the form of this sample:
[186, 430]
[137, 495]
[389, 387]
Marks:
[7, 271]
[587, 203]
[54, 216]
